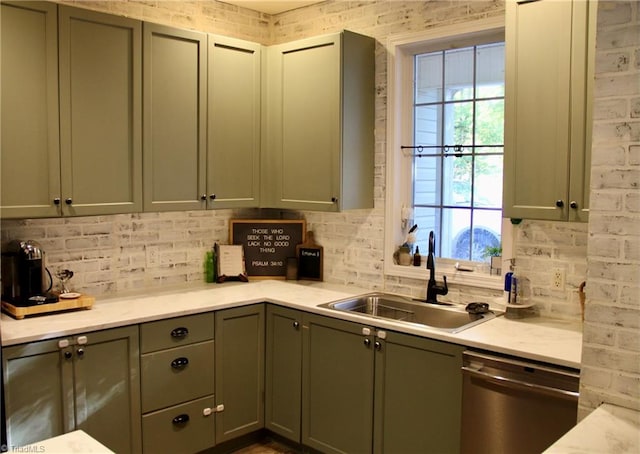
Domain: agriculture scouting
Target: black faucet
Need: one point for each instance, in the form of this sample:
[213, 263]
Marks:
[433, 288]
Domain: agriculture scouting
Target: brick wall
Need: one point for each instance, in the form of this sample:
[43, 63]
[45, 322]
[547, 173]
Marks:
[108, 253]
[611, 345]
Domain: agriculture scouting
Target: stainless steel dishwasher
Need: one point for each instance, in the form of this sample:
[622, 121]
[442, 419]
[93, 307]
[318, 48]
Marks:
[514, 406]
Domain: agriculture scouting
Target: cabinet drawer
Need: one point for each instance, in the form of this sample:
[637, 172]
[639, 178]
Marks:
[180, 429]
[176, 375]
[176, 331]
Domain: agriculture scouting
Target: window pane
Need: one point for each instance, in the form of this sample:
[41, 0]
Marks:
[490, 70]
[427, 220]
[457, 181]
[426, 186]
[455, 233]
[487, 186]
[427, 125]
[428, 78]
[486, 232]
[458, 74]
[458, 121]
[490, 122]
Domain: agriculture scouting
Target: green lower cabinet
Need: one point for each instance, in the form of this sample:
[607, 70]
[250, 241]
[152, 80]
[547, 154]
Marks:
[239, 371]
[337, 385]
[418, 395]
[374, 391]
[283, 372]
[183, 428]
[89, 382]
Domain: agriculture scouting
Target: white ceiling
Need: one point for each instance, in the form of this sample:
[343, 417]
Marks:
[271, 7]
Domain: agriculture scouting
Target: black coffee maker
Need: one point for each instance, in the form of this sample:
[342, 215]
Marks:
[25, 279]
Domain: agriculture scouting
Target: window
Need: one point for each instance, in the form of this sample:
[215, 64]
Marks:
[458, 119]
[445, 145]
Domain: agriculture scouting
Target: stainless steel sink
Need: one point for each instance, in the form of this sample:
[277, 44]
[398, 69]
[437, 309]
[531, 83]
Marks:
[449, 318]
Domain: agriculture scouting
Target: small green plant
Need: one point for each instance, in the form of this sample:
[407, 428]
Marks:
[492, 251]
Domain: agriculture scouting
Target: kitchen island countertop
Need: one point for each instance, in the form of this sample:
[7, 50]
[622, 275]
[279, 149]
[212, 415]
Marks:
[557, 342]
[608, 429]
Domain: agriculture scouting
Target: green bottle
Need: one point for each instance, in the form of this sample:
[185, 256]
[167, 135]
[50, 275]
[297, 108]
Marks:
[209, 269]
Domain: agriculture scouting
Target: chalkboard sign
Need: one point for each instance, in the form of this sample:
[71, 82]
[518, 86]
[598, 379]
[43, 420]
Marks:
[268, 243]
[310, 263]
[309, 259]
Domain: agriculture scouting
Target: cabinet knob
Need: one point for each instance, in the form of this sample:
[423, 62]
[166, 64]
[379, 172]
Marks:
[203, 197]
[334, 199]
[573, 204]
[212, 196]
[367, 342]
[180, 332]
[67, 354]
[68, 201]
[80, 352]
[181, 419]
[56, 201]
[378, 345]
[180, 363]
[559, 203]
[296, 324]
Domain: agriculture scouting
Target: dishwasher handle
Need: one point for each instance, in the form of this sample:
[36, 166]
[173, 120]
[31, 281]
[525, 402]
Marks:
[514, 383]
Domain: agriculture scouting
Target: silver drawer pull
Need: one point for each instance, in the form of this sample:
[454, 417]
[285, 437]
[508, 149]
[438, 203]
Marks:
[180, 363]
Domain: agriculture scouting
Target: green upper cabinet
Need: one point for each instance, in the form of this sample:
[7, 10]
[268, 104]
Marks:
[319, 124]
[233, 158]
[550, 49]
[30, 157]
[175, 100]
[100, 112]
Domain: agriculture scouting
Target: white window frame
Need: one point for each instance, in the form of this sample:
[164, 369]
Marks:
[401, 50]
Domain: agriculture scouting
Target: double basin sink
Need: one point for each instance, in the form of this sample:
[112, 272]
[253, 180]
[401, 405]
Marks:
[449, 318]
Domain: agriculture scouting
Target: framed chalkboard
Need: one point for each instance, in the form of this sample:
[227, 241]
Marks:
[268, 243]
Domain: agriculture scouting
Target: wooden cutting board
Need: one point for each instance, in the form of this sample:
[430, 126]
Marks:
[19, 312]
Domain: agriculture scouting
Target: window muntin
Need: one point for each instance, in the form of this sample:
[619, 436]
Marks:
[458, 119]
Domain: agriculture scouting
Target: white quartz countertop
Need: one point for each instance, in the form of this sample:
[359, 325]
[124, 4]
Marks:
[608, 429]
[557, 342]
[76, 442]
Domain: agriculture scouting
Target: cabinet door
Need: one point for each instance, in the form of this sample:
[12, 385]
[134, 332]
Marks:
[239, 371]
[107, 388]
[283, 379]
[175, 90]
[35, 392]
[30, 158]
[319, 124]
[549, 47]
[337, 386]
[100, 112]
[418, 395]
[583, 35]
[233, 164]
[303, 133]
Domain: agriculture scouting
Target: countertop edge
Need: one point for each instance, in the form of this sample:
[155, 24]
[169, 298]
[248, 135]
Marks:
[501, 335]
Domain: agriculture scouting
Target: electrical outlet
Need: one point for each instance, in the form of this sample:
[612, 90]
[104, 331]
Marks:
[152, 255]
[558, 279]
